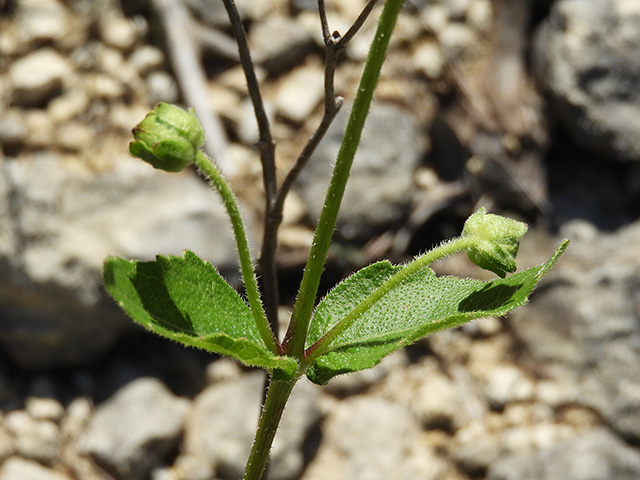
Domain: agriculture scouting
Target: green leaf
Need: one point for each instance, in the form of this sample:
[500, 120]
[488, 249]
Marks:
[420, 305]
[185, 299]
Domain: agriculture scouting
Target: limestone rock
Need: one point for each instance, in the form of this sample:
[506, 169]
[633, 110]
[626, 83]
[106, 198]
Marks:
[379, 190]
[583, 328]
[53, 306]
[38, 76]
[134, 429]
[588, 60]
[596, 455]
[17, 468]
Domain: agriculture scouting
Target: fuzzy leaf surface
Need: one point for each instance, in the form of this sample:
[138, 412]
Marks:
[185, 299]
[420, 305]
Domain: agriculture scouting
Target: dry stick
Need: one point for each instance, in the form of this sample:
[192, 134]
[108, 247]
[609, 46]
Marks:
[334, 44]
[191, 77]
[366, 11]
[324, 23]
[267, 148]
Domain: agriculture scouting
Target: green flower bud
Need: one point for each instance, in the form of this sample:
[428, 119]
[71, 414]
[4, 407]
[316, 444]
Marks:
[168, 138]
[497, 241]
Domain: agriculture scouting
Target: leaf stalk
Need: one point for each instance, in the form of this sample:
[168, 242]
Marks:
[209, 169]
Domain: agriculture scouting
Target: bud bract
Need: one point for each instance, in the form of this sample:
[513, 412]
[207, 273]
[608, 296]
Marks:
[168, 138]
[496, 241]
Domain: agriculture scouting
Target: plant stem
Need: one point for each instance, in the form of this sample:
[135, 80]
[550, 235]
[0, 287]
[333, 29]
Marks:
[444, 250]
[206, 165]
[294, 342]
[267, 147]
[277, 396]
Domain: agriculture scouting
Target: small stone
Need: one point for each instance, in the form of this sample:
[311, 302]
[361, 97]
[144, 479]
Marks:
[41, 21]
[300, 93]
[222, 369]
[13, 128]
[458, 9]
[480, 14]
[429, 60]
[279, 43]
[38, 77]
[248, 127]
[6, 442]
[458, 40]
[68, 105]
[44, 409]
[230, 410]
[75, 136]
[436, 17]
[41, 131]
[146, 59]
[119, 32]
[225, 102]
[357, 442]
[78, 415]
[358, 47]
[595, 454]
[17, 468]
[135, 428]
[110, 60]
[295, 237]
[506, 384]
[34, 439]
[104, 86]
[475, 447]
[187, 467]
[294, 210]
[235, 79]
[343, 385]
[161, 88]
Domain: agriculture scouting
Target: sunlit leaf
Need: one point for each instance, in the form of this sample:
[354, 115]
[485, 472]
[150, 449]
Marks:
[185, 299]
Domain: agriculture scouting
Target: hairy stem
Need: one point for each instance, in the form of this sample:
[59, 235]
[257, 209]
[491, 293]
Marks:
[334, 44]
[277, 396]
[209, 169]
[294, 342]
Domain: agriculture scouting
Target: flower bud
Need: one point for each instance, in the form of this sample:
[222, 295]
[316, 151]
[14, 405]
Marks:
[168, 138]
[497, 241]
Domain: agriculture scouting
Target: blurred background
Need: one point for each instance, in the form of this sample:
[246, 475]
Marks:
[530, 109]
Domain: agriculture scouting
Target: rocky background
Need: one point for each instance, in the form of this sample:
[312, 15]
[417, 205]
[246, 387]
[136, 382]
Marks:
[530, 108]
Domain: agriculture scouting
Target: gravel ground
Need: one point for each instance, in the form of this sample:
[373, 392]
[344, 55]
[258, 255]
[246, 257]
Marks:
[480, 103]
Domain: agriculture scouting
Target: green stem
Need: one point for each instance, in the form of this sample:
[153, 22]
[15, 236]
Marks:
[444, 250]
[277, 396]
[206, 165]
[326, 224]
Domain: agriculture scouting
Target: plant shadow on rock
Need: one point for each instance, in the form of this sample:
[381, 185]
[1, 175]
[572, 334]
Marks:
[586, 186]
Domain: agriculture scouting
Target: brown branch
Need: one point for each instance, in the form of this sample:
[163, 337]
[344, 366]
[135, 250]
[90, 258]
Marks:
[334, 44]
[366, 11]
[324, 23]
[266, 145]
[275, 197]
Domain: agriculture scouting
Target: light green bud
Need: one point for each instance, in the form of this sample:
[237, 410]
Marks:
[168, 138]
[496, 241]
